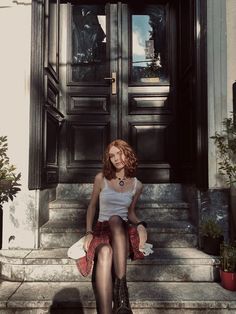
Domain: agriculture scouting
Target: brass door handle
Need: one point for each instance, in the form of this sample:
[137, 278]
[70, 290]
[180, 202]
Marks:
[109, 79]
[112, 79]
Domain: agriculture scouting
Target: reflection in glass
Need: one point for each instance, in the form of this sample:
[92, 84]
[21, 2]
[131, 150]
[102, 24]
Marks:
[88, 43]
[149, 50]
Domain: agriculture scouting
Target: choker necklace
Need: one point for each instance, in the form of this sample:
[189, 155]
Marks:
[121, 181]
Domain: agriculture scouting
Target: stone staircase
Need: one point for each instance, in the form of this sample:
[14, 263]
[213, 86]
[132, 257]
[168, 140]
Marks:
[160, 205]
[177, 278]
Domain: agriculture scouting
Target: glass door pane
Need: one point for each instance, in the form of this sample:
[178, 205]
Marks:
[88, 43]
[149, 45]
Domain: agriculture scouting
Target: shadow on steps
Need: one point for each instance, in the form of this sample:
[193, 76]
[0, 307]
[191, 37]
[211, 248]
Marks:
[67, 299]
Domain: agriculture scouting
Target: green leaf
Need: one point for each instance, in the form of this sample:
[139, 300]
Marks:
[7, 172]
[225, 142]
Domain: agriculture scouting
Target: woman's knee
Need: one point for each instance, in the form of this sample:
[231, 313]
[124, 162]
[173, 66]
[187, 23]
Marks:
[105, 253]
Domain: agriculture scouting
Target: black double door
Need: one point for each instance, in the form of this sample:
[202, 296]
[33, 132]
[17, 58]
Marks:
[102, 71]
[117, 74]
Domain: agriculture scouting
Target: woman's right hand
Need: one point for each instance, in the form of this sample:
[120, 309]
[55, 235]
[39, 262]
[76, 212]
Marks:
[87, 241]
[142, 232]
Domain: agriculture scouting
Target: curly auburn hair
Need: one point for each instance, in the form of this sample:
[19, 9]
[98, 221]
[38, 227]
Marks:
[130, 160]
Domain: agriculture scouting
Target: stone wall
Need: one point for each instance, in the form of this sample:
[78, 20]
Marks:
[211, 203]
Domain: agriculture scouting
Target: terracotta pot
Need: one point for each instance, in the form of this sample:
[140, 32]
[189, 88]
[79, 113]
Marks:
[228, 280]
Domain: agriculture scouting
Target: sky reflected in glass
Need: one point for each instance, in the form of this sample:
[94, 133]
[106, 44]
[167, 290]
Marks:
[140, 33]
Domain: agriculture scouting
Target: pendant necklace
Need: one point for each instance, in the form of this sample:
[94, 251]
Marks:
[121, 181]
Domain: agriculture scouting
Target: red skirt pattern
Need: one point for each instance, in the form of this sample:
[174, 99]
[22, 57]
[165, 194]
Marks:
[102, 235]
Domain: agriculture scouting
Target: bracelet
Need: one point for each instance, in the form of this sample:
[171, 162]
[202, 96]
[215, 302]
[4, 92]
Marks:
[143, 223]
[88, 232]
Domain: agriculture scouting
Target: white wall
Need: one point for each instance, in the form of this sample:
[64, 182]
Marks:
[20, 216]
[221, 41]
[231, 50]
[217, 80]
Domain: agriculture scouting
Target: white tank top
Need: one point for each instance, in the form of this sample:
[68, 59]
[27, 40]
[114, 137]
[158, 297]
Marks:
[112, 202]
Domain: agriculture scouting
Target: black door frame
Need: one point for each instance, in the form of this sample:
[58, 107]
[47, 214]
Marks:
[200, 91]
[36, 165]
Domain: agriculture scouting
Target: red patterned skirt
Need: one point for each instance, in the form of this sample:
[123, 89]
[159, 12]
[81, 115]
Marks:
[102, 235]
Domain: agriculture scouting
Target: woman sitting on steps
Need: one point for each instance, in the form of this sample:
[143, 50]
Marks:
[118, 229]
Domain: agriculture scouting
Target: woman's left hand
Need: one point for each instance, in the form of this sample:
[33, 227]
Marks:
[142, 232]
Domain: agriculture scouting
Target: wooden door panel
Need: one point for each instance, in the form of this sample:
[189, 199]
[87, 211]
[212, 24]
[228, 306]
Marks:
[148, 139]
[186, 79]
[51, 149]
[87, 143]
[143, 109]
[85, 104]
[146, 104]
[149, 103]
[164, 114]
[151, 141]
[53, 118]
[89, 106]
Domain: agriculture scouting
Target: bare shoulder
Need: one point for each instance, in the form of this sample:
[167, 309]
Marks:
[98, 183]
[139, 186]
[99, 177]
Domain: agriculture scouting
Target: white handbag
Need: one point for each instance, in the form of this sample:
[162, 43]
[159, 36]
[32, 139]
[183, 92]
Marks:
[77, 251]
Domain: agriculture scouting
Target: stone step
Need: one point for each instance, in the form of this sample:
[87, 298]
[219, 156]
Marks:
[57, 240]
[145, 298]
[71, 209]
[55, 234]
[72, 225]
[163, 265]
[164, 192]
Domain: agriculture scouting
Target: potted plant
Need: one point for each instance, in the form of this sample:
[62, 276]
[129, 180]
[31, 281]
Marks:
[228, 266]
[9, 180]
[225, 142]
[211, 236]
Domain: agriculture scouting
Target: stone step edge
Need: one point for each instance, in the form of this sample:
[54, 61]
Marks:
[65, 262]
[21, 296]
[59, 204]
[211, 306]
[69, 262]
[47, 228]
[27, 259]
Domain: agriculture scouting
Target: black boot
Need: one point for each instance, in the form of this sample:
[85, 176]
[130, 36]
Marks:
[121, 297]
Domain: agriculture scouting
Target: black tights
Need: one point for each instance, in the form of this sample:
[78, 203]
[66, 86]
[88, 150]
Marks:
[106, 254]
